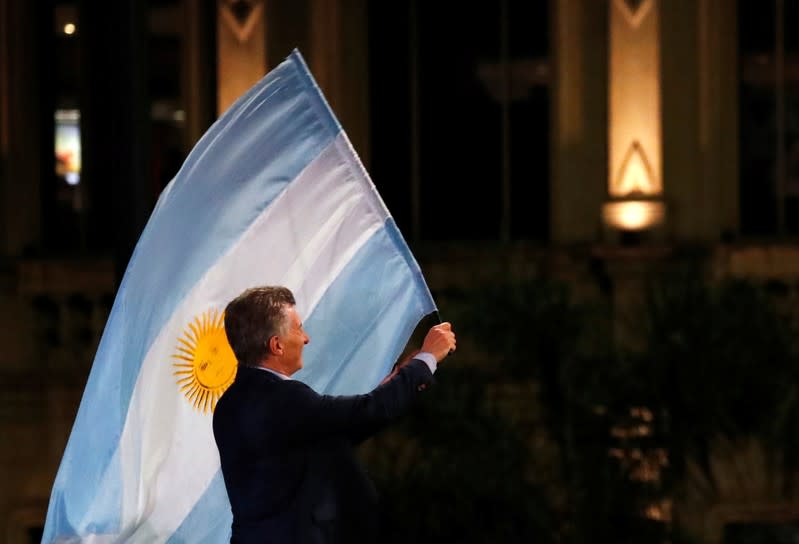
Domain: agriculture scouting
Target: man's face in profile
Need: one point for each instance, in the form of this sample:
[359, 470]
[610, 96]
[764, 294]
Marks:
[293, 342]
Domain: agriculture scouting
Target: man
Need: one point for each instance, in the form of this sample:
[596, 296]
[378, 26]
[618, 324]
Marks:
[287, 453]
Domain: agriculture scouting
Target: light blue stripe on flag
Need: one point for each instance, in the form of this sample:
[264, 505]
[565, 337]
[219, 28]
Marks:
[360, 326]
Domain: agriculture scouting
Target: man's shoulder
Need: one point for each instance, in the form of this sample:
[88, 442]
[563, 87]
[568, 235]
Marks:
[252, 393]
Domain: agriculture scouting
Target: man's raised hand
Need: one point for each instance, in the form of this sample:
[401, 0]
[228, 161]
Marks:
[440, 341]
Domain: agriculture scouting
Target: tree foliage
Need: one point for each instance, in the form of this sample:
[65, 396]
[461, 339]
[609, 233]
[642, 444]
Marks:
[711, 360]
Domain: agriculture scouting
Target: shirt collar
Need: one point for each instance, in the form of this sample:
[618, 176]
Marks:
[275, 372]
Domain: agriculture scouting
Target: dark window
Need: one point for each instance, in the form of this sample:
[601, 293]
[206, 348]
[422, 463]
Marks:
[460, 117]
[769, 116]
[166, 100]
[86, 133]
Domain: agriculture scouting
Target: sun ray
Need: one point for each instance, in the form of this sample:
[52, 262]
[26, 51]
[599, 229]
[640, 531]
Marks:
[183, 358]
[187, 387]
[182, 351]
[193, 333]
[195, 393]
[190, 332]
[189, 345]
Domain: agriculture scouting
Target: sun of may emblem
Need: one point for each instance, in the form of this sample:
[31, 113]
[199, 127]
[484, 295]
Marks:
[204, 362]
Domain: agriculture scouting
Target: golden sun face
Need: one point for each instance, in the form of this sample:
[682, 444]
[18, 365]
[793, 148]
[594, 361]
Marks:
[204, 362]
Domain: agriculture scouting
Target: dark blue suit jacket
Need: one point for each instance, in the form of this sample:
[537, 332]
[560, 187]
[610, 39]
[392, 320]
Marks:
[288, 456]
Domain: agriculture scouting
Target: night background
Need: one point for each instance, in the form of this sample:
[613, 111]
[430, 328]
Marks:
[603, 196]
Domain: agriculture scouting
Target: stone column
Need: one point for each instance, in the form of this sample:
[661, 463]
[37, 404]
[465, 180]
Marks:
[241, 48]
[699, 116]
[21, 120]
[199, 76]
[718, 136]
[579, 119]
[339, 63]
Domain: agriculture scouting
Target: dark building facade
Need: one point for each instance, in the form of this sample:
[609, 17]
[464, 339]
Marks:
[509, 140]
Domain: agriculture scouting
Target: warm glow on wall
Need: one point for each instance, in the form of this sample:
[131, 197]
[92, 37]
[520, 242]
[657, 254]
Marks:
[635, 168]
[634, 128]
[632, 215]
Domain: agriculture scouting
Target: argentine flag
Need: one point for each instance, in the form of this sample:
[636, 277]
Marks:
[273, 194]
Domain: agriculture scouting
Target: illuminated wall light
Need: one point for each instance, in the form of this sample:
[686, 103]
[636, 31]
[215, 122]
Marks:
[633, 215]
[69, 29]
[659, 511]
[635, 194]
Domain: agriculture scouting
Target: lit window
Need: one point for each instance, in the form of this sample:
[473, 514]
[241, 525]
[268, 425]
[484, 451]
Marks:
[67, 145]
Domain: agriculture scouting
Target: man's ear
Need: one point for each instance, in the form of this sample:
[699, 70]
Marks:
[275, 347]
